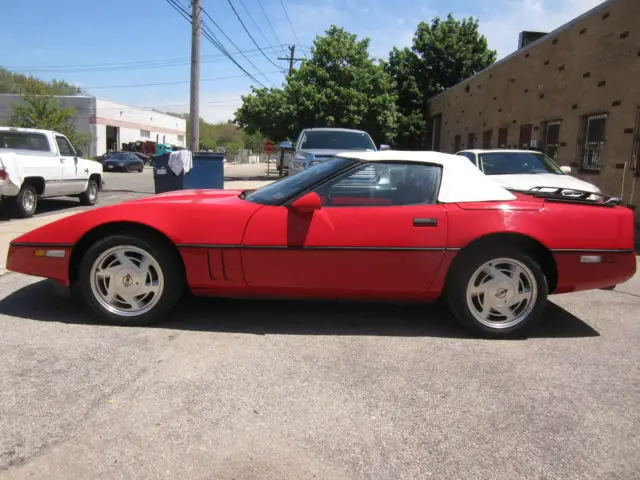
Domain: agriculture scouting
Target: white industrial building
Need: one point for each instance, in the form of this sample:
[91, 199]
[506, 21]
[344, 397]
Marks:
[112, 124]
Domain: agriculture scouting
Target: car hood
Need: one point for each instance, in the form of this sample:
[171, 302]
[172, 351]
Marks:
[187, 196]
[322, 152]
[529, 181]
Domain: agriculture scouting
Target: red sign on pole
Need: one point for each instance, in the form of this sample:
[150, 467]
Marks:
[268, 146]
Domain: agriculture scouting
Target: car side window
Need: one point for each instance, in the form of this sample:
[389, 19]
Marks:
[383, 184]
[65, 147]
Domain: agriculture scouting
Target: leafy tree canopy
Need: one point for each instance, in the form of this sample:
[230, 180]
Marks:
[340, 85]
[443, 53]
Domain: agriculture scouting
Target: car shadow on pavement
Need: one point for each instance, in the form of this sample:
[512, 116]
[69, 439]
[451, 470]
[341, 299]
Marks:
[260, 317]
[45, 205]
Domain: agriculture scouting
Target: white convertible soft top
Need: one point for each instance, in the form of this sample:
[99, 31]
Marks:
[461, 180]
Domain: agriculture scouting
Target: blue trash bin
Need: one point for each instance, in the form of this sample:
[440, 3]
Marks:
[207, 171]
[164, 180]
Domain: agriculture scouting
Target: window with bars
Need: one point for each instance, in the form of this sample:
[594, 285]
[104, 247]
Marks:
[591, 141]
[486, 138]
[502, 137]
[525, 135]
[471, 140]
[457, 143]
[550, 138]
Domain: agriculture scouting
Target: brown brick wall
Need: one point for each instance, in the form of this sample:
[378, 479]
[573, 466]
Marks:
[591, 66]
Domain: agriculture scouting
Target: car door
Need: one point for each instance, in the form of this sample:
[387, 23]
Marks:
[74, 179]
[379, 232]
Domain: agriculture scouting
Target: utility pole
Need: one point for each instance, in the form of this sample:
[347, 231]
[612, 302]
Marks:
[194, 100]
[292, 54]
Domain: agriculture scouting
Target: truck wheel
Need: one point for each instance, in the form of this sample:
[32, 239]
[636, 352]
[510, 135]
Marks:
[26, 202]
[90, 195]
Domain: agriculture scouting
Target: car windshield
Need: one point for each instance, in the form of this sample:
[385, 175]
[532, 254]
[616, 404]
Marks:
[119, 156]
[276, 192]
[336, 140]
[516, 163]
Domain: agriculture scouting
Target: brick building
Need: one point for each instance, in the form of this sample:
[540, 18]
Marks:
[573, 93]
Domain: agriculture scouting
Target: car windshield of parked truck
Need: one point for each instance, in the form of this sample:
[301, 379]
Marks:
[276, 192]
[24, 141]
[336, 140]
[517, 163]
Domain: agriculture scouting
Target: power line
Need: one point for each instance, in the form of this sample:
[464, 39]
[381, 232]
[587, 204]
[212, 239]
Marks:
[177, 82]
[250, 36]
[289, 20]
[214, 41]
[160, 63]
[253, 21]
[206, 14]
[275, 35]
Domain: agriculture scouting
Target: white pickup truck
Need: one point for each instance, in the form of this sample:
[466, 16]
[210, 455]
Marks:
[42, 164]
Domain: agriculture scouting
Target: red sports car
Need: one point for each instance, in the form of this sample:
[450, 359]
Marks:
[391, 225]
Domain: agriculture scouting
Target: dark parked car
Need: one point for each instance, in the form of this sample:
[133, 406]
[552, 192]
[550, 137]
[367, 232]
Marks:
[123, 162]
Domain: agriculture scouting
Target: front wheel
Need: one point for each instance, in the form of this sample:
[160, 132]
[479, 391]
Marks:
[498, 292]
[130, 280]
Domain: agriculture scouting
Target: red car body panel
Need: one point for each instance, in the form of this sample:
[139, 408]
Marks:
[234, 247]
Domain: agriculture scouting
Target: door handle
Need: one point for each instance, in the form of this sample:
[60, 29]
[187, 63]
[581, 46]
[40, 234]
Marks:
[62, 160]
[86, 170]
[425, 222]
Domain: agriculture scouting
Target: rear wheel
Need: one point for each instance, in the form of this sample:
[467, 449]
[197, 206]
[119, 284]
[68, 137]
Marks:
[129, 280]
[90, 195]
[497, 292]
[26, 202]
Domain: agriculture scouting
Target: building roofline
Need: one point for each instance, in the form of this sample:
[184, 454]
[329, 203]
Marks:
[539, 41]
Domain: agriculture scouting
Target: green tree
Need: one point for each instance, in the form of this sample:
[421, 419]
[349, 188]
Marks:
[443, 53]
[15, 82]
[340, 85]
[40, 109]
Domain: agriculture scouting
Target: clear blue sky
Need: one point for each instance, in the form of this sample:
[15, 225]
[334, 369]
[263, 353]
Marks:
[133, 42]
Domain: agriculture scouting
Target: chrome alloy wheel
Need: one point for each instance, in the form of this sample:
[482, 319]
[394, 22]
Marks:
[126, 280]
[28, 200]
[501, 293]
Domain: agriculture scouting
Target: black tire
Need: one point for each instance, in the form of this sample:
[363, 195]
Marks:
[90, 195]
[463, 273]
[26, 202]
[170, 265]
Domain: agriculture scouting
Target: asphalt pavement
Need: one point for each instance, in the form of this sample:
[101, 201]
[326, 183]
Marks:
[240, 389]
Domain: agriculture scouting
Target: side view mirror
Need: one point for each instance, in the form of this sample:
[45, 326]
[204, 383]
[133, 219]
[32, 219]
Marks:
[384, 147]
[565, 169]
[79, 153]
[308, 203]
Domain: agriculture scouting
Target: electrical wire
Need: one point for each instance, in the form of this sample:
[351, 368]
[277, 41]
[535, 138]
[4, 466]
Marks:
[159, 63]
[177, 82]
[286, 14]
[251, 36]
[214, 41]
[244, 7]
[275, 35]
[206, 14]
